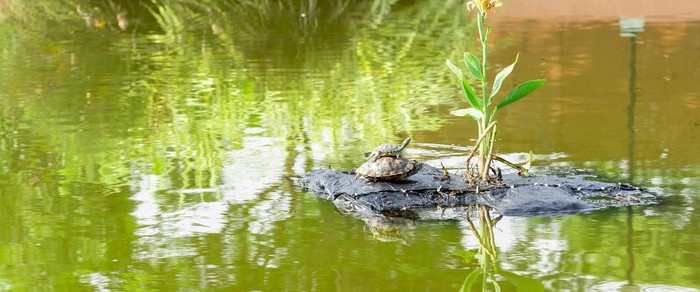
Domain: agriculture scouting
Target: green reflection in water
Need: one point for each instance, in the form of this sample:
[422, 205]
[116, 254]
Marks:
[200, 91]
[145, 158]
[484, 276]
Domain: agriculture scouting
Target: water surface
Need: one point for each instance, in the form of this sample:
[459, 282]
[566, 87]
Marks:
[162, 156]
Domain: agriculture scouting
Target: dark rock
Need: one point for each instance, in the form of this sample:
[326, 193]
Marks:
[426, 196]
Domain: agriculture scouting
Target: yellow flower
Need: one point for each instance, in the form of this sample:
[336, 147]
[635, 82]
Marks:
[483, 5]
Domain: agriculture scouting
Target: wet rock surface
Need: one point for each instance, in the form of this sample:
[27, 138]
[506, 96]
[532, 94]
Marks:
[426, 196]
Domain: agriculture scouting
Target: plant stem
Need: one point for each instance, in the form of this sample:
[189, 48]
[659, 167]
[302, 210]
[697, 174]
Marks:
[521, 168]
[485, 173]
[477, 145]
[484, 147]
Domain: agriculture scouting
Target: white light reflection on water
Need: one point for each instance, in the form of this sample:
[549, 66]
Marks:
[276, 207]
[247, 175]
[98, 281]
[156, 230]
[625, 286]
[511, 232]
[249, 171]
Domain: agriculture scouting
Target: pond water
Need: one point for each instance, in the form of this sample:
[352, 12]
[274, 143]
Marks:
[157, 149]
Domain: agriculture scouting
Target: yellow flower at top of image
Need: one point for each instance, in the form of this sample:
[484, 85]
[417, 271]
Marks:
[483, 5]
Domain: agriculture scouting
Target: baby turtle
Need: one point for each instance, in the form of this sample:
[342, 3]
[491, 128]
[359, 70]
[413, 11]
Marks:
[388, 169]
[387, 150]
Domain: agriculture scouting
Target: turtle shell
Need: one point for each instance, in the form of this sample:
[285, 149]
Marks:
[388, 169]
[391, 150]
[388, 149]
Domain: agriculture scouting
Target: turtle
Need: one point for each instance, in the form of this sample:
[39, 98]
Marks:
[388, 169]
[387, 150]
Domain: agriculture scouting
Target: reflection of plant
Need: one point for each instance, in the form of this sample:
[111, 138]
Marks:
[167, 19]
[487, 256]
[197, 92]
[481, 107]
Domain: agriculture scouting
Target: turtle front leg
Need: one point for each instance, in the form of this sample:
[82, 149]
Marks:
[363, 177]
[373, 156]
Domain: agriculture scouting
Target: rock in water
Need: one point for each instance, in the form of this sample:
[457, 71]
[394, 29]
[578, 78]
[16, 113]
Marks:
[425, 196]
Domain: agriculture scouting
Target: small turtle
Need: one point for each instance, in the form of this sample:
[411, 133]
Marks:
[388, 169]
[387, 150]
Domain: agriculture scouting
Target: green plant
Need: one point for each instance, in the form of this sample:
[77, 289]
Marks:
[481, 108]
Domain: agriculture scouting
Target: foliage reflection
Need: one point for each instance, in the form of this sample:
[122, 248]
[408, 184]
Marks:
[484, 275]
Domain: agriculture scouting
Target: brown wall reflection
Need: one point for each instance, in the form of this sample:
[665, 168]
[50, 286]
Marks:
[583, 109]
[557, 10]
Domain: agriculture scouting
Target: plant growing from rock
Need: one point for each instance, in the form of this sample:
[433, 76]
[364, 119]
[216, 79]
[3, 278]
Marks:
[482, 108]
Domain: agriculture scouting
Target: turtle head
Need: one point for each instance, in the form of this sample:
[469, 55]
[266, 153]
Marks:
[419, 166]
[405, 143]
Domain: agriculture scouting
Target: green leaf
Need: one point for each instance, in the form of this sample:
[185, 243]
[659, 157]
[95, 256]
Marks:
[471, 96]
[471, 278]
[472, 112]
[521, 283]
[468, 91]
[468, 256]
[473, 65]
[501, 76]
[520, 91]
[454, 69]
